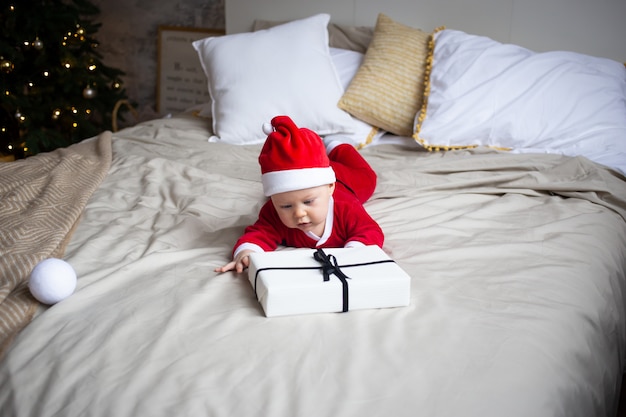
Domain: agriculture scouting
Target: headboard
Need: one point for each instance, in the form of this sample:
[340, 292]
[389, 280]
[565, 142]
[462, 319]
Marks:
[585, 26]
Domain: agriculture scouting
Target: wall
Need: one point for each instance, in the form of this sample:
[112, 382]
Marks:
[128, 36]
[594, 27]
[128, 39]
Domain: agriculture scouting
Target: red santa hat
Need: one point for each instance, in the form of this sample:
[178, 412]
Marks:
[292, 158]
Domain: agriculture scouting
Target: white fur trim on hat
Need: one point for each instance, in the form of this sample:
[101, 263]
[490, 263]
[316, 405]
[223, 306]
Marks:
[296, 179]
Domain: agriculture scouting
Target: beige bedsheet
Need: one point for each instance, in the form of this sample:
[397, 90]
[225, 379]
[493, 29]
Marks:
[517, 305]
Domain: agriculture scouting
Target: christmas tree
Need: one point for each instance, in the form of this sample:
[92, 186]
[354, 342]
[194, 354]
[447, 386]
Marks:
[55, 89]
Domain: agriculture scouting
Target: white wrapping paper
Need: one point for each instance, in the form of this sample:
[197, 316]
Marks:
[292, 282]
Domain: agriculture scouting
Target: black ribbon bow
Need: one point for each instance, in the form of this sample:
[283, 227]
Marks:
[330, 267]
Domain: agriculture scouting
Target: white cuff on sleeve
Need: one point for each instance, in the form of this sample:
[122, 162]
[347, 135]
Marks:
[353, 244]
[249, 246]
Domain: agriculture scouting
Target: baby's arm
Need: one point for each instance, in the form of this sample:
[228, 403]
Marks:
[361, 228]
[262, 236]
[241, 257]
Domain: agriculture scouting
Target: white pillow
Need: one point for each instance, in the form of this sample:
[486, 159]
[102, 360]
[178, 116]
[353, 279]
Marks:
[483, 92]
[347, 63]
[284, 70]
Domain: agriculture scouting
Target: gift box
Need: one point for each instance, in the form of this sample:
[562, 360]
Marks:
[305, 281]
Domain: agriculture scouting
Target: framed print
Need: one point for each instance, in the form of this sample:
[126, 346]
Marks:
[181, 82]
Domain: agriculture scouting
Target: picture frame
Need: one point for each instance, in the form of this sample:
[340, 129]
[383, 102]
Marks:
[181, 82]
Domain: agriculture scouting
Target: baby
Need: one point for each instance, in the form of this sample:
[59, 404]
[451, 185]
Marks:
[316, 199]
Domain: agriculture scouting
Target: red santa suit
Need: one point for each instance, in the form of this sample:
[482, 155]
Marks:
[293, 159]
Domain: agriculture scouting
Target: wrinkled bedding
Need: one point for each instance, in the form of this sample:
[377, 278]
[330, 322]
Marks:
[518, 266]
[41, 200]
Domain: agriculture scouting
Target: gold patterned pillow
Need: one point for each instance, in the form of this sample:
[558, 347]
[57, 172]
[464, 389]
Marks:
[387, 91]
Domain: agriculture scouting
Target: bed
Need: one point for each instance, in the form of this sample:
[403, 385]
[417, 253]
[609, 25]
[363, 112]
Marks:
[507, 211]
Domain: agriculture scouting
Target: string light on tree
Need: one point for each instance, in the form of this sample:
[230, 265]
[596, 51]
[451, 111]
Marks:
[20, 116]
[6, 65]
[57, 90]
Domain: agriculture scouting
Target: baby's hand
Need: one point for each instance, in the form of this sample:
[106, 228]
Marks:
[241, 261]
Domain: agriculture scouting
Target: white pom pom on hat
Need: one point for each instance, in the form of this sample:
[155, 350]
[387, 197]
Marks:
[293, 158]
[267, 128]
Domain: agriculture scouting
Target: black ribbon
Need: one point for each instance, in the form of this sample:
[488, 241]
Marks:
[329, 267]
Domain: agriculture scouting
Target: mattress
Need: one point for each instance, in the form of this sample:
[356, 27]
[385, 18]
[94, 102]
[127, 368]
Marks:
[517, 304]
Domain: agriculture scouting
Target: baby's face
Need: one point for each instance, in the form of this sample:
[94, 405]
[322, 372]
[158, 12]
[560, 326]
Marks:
[304, 209]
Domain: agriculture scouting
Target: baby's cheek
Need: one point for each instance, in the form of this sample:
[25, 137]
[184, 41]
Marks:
[286, 219]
